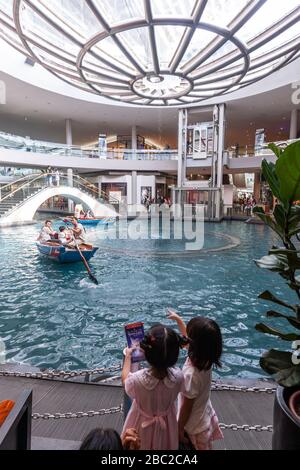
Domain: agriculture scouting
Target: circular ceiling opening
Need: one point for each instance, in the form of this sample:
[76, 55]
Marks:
[163, 87]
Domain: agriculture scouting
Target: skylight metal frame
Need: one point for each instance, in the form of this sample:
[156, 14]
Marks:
[94, 69]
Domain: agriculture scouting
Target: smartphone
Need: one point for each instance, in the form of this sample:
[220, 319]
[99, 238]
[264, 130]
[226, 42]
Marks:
[134, 335]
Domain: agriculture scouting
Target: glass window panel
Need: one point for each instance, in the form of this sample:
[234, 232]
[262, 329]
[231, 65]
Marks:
[221, 13]
[218, 56]
[98, 67]
[271, 12]
[75, 14]
[281, 39]
[111, 52]
[137, 42]
[177, 8]
[119, 11]
[33, 24]
[7, 7]
[200, 40]
[167, 40]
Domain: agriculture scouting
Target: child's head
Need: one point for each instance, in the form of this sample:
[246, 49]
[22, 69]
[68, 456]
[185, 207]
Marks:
[161, 346]
[205, 346]
[102, 439]
[62, 229]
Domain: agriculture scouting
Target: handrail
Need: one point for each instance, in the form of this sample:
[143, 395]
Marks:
[19, 143]
[95, 190]
[8, 196]
[3, 188]
[87, 185]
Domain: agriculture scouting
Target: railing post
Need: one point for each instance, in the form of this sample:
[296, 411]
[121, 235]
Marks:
[70, 184]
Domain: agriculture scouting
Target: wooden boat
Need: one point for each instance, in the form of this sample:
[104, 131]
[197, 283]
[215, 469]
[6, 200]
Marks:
[61, 254]
[93, 221]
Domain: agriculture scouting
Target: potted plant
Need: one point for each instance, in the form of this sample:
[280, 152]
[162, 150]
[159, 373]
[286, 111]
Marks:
[284, 181]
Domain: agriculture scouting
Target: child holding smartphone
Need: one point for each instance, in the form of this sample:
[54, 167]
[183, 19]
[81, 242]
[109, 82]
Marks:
[154, 390]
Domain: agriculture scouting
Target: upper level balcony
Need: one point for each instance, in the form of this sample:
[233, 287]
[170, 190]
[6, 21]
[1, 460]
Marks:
[20, 152]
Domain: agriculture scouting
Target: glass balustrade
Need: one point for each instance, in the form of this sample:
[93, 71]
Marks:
[12, 142]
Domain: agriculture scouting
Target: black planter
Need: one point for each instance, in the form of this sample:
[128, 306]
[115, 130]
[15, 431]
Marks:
[286, 435]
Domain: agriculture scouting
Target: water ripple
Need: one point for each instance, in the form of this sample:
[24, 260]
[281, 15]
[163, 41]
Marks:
[53, 316]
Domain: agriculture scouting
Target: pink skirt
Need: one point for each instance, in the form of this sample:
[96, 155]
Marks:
[204, 440]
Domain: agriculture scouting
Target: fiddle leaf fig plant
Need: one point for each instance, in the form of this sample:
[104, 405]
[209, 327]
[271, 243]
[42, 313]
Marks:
[283, 178]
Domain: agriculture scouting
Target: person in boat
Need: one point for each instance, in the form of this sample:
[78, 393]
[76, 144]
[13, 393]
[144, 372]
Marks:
[89, 214]
[66, 237]
[78, 230]
[47, 233]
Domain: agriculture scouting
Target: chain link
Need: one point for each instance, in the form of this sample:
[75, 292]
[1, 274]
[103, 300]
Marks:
[119, 409]
[106, 370]
[244, 389]
[79, 414]
[247, 427]
[62, 373]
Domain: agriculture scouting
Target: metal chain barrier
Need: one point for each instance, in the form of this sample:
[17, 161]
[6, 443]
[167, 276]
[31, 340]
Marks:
[216, 386]
[244, 389]
[79, 414]
[119, 409]
[62, 373]
[247, 427]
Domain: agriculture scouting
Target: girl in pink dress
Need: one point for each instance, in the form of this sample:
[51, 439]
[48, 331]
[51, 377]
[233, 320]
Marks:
[197, 418]
[154, 391]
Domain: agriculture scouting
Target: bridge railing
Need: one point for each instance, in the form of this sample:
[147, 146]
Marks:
[13, 142]
[25, 187]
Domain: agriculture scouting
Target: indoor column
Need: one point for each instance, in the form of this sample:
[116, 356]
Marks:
[257, 186]
[134, 140]
[294, 124]
[134, 188]
[69, 136]
[70, 183]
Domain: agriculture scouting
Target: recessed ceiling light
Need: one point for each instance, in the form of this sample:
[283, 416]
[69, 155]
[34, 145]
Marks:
[26, 118]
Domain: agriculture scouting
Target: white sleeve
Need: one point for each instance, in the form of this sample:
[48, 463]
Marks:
[192, 384]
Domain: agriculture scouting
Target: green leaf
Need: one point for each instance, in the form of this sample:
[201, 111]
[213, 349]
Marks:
[279, 364]
[269, 172]
[268, 220]
[294, 232]
[277, 150]
[267, 295]
[272, 331]
[294, 217]
[287, 170]
[280, 216]
[292, 320]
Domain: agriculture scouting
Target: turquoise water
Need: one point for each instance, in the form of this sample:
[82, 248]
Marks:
[52, 316]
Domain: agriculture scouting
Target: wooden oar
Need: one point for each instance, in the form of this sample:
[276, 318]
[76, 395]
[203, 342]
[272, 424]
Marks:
[91, 275]
[86, 264]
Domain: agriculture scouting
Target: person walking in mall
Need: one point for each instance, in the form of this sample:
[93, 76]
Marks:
[49, 176]
[57, 177]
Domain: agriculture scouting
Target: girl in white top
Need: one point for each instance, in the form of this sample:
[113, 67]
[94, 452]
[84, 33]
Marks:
[197, 418]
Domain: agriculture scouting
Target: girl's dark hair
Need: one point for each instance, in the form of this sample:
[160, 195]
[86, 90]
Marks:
[205, 343]
[102, 439]
[161, 346]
